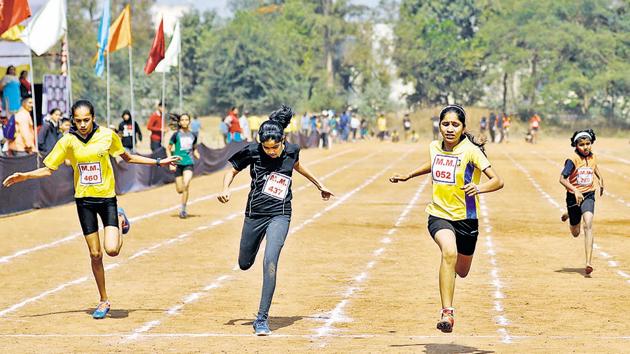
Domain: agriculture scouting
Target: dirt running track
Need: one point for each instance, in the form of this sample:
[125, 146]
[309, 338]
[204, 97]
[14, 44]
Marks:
[358, 273]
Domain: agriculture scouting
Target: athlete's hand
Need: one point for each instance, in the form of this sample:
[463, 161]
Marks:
[14, 178]
[172, 168]
[224, 196]
[579, 197]
[170, 161]
[326, 194]
[471, 189]
[398, 178]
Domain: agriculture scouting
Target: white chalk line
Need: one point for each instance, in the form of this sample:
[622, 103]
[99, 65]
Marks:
[501, 320]
[23, 252]
[190, 298]
[151, 249]
[337, 313]
[306, 336]
[552, 201]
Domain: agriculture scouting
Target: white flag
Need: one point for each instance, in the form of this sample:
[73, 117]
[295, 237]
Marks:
[46, 27]
[172, 52]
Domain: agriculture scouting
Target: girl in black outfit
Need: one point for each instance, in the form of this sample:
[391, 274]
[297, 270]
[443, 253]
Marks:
[268, 211]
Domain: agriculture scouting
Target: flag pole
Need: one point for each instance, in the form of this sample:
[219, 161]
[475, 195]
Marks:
[69, 72]
[179, 67]
[163, 102]
[108, 96]
[30, 60]
[133, 113]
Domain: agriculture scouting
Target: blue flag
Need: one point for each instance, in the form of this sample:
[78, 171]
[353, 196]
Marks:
[103, 35]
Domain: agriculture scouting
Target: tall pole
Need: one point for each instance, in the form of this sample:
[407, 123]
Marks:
[67, 50]
[133, 112]
[30, 60]
[108, 112]
[179, 68]
[163, 102]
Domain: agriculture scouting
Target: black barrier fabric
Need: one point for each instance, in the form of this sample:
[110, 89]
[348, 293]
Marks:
[59, 188]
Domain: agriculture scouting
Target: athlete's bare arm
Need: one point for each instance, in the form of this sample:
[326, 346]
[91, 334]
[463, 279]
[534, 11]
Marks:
[326, 194]
[494, 183]
[422, 170]
[601, 180]
[23, 176]
[141, 160]
[224, 196]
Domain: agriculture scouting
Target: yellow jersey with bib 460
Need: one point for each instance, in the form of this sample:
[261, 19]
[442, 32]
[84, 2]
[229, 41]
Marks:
[450, 171]
[90, 158]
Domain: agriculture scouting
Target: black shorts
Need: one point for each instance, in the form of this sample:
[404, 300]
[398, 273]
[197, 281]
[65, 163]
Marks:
[466, 232]
[179, 170]
[576, 211]
[88, 208]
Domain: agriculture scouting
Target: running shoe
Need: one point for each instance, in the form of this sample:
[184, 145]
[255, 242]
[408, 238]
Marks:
[183, 214]
[125, 225]
[261, 326]
[445, 324]
[101, 310]
[588, 270]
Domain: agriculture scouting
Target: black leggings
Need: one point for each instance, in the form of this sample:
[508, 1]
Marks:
[276, 229]
[88, 208]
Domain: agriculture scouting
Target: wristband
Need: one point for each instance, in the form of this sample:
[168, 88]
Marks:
[157, 161]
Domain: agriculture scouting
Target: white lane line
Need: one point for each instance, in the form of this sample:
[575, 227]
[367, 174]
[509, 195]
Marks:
[549, 198]
[581, 338]
[199, 294]
[500, 319]
[156, 246]
[337, 314]
[21, 253]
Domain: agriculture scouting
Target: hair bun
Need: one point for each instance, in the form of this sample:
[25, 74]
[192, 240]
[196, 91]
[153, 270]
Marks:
[282, 116]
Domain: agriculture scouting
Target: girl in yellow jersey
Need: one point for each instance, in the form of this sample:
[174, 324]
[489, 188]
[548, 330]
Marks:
[577, 178]
[89, 147]
[455, 164]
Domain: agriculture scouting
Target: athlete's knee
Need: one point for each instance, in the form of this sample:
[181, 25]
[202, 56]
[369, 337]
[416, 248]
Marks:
[179, 190]
[449, 255]
[96, 255]
[245, 264]
[463, 273]
[575, 230]
[112, 252]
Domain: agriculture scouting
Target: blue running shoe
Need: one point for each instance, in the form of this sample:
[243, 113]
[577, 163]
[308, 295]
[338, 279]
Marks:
[261, 326]
[126, 225]
[101, 310]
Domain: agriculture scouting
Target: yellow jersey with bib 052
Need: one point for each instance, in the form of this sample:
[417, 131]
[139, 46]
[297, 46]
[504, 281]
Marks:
[450, 171]
[90, 159]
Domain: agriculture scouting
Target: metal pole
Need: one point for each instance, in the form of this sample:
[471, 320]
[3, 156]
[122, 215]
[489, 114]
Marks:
[108, 112]
[163, 103]
[179, 67]
[133, 113]
[69, 71]
[30, 60]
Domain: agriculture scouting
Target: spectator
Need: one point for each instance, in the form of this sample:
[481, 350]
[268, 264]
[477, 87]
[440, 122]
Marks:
[234, 127]
[492, 126]
[195, 126]
[483, 127]
[395, 136]
[4, 145]
[415, 137]
[24, 142]
[10, 88]
[507, 121]
[534, 125]
[381, 124]
[126, 131]
[25, 85]
[355, 125]
[49, 133]
[499, 132]
[364, 128]
[323, 128]
[407, 126]
[344, 124]
[305, 124]
[64, 126]
[244, 123]
[254, 123]
[435, 123]
[155, 127]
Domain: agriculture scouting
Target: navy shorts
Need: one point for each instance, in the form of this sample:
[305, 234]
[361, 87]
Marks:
[576, 211]
[88, 208]
[466, 232]
[179, 170]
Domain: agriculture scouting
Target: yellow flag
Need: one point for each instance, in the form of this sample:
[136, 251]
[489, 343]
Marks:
[13, 34]
[120, 31]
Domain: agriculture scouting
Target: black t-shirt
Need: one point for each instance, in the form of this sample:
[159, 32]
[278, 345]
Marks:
[270, 192]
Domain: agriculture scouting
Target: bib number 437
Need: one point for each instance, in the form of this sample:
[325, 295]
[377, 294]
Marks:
[277, 185]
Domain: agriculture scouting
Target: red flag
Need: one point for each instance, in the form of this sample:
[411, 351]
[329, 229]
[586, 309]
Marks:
[13, 12]
[156, 54]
